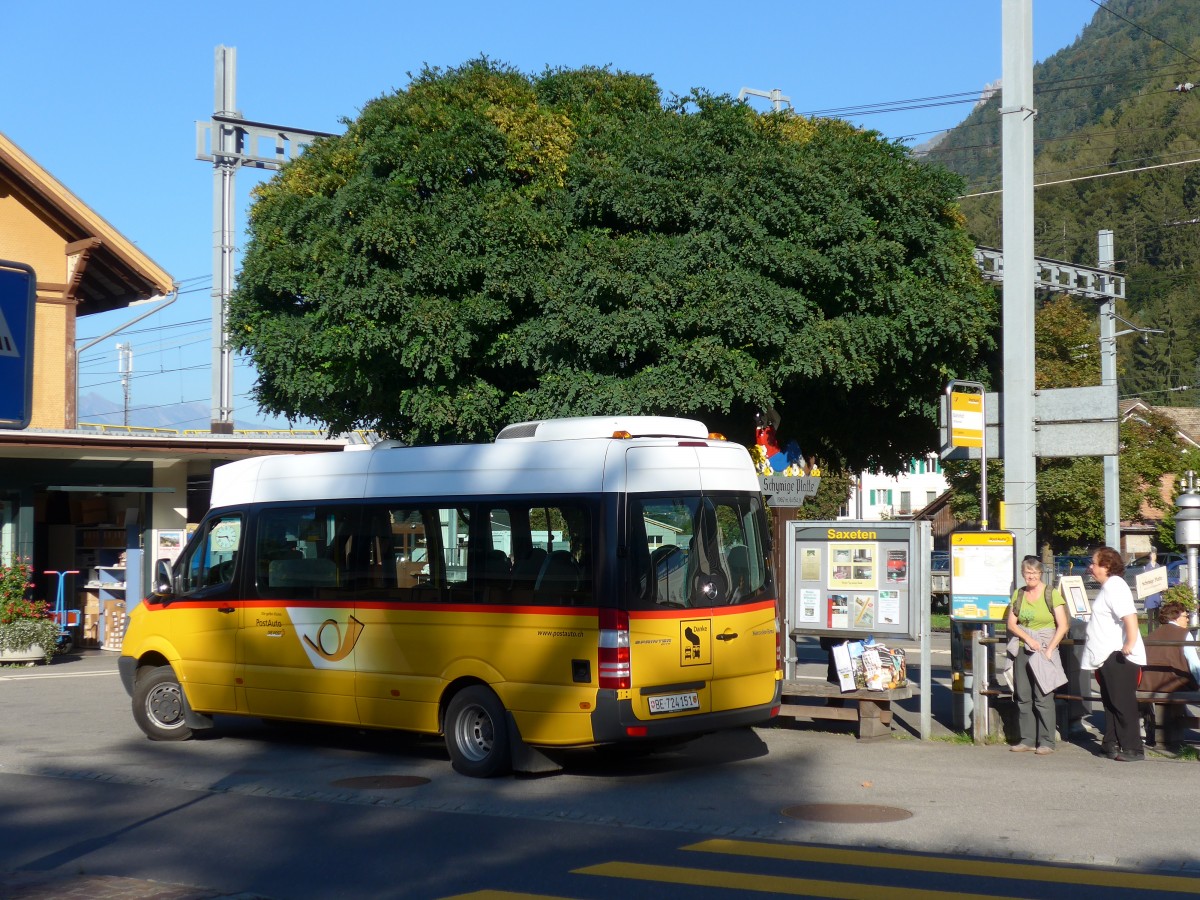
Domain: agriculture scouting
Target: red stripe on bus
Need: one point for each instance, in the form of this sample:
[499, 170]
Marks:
[692, 612]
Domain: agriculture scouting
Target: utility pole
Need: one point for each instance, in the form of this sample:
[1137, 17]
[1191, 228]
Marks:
[1017, 116]
[232, 144]
[125, 370]
[1108, 375]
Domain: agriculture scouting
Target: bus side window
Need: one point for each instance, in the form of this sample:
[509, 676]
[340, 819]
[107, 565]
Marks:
[305, 552]
[429, 554]
[493, 580]
[564, 575]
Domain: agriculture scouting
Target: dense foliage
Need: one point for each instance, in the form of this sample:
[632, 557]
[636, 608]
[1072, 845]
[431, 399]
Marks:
[16, 581]
[486, 247]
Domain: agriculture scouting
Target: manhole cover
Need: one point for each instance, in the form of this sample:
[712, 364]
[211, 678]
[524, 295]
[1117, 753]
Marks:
[846, 813]
[380, 782]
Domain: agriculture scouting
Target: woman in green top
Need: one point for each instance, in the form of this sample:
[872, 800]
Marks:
[1039, 626]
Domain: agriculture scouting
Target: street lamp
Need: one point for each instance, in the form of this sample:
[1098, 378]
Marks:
[1187, 529]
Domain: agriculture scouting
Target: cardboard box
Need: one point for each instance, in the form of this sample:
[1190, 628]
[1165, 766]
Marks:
[93, 510]
[114, 620]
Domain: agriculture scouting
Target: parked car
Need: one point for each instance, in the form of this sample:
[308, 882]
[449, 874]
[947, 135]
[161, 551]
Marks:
[1071, 565]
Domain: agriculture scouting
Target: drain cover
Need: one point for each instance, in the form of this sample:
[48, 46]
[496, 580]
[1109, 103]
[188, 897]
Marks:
[380, 782]
[846, 813]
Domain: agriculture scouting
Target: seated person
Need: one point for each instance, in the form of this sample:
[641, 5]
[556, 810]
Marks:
[1173, 666]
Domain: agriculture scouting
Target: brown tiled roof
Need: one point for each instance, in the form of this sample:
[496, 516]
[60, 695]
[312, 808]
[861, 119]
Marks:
[1186, 419]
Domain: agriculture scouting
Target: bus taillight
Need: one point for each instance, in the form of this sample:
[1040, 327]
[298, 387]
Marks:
[614, 650]
[778, 646]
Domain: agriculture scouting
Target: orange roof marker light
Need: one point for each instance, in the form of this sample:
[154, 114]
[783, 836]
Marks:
[621, 435]
[716, 436]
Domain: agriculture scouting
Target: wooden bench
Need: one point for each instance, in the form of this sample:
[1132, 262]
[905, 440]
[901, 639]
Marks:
[1164, 706]
[1166, 709]
[810, 699]
[1169, 717]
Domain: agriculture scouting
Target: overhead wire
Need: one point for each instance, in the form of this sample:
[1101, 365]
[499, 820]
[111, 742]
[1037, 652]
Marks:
[1182, 162]
[1084, 168]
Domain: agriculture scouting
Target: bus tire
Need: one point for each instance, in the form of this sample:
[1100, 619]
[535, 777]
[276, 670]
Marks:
[159, 706]
[477, 733]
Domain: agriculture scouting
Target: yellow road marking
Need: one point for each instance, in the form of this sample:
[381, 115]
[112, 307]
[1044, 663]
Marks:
[1055, 874]
[772, 884]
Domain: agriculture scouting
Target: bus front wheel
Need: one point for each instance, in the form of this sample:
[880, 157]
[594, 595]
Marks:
[477, 733]
[159, 706]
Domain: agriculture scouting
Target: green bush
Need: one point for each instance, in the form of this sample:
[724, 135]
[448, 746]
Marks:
[1181, 594]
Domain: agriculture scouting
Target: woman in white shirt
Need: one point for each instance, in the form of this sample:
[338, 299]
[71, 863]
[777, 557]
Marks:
[1114, 650]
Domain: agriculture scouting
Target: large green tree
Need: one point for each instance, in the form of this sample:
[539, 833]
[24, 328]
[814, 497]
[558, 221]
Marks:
[484, 247]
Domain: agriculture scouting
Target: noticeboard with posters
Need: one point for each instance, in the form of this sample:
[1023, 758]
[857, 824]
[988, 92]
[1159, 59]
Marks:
[853, 578]
[981, 575]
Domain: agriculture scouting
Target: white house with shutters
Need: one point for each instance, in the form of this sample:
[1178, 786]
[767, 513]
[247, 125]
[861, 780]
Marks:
[875, 496]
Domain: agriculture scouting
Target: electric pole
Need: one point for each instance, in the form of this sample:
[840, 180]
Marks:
[1017, 115]
[233, 143]
[125, 370]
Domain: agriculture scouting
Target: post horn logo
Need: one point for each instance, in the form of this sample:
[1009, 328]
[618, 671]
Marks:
[339, 645]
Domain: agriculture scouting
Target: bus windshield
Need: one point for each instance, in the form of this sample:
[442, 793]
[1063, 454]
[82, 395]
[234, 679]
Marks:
[697, 551]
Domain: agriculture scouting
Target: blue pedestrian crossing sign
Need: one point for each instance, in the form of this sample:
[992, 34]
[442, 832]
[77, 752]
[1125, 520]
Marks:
[18, 295]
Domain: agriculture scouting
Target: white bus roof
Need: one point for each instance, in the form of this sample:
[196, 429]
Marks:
[603, 427]
[552, 456]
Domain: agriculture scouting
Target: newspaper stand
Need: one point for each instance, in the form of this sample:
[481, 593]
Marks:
[67, 619]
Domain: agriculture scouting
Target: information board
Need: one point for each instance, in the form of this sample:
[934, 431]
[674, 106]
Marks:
[18, 297]
[981, 574]
[853, 578]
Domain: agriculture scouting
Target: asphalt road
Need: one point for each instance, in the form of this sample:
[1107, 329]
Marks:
[261, 810]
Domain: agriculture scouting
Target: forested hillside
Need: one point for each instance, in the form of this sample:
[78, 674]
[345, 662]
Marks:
[1123, 144]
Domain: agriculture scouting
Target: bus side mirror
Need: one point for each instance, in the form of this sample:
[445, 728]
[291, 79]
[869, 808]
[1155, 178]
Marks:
[163, 584]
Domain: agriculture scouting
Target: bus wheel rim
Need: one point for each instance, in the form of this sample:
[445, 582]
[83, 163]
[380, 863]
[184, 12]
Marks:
[476, 733]
[164, 705]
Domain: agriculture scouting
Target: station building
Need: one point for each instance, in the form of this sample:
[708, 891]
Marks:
[104, 500]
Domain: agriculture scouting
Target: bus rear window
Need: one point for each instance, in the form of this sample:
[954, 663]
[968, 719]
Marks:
[696, 551]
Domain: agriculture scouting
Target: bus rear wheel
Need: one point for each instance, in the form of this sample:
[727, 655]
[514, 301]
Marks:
[477, 733]
[159, 705]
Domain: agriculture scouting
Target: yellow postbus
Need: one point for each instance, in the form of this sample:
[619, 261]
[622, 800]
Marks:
[577, 582]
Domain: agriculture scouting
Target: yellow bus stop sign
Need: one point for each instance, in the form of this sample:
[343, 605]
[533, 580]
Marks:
[966, 419]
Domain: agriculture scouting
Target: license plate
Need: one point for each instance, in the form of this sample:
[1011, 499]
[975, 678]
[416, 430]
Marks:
[670, 703]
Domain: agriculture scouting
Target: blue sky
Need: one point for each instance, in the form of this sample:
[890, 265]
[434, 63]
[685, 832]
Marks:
[106, 96]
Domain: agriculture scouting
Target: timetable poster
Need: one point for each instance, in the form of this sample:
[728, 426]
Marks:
[863, 611]
[852, 566]
[897, 566]
[889, 608]
[839, 611]
[810, 605]
[810, 564]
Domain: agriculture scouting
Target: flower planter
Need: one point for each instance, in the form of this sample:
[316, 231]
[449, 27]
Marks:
[27, 631]
[30, 655]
